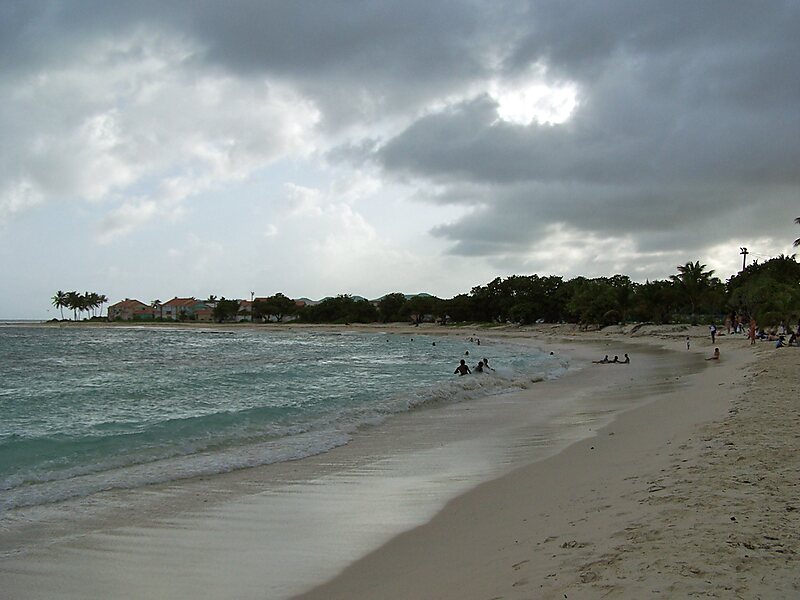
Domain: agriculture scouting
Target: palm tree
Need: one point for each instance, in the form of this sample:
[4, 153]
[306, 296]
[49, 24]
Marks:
[693, 281]
[60, 301]
[797, 241]
[157, 306]
[73, 302]
[102, 299]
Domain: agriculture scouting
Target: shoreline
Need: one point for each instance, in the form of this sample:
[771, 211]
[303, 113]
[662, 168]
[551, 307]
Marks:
[635, 512]
[223, 485]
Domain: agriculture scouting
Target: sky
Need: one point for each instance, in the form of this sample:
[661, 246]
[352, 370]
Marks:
[154, 149]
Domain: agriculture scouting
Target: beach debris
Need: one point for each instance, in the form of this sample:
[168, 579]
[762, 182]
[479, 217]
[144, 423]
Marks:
[517, 566]
[589, 577]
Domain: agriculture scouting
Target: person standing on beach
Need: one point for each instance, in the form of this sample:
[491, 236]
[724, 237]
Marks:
[462, 369]
[687, 342]
[713, 329]
[752, 333]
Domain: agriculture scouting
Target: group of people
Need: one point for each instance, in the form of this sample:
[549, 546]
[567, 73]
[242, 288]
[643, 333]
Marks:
[607, 361]
[481, 367]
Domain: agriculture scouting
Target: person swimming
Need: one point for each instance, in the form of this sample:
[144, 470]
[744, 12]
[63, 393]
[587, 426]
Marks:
[462, 369]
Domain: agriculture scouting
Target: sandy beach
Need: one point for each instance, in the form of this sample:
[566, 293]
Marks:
[691, 495]
[676, 480]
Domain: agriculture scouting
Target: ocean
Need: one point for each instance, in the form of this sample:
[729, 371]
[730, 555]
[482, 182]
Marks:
[85, 409]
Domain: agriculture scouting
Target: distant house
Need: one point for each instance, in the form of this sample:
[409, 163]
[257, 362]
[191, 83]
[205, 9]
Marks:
[246, 309]
[130, 310]
[187, 309]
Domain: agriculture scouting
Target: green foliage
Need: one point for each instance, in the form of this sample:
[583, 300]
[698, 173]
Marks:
[277, 306]
[391, 307]
[87, 302]
[225, 310]
[693, 283]
[341, 309]
[770, 292]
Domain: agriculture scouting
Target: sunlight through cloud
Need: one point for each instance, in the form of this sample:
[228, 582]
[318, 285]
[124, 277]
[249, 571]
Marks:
[534, 100]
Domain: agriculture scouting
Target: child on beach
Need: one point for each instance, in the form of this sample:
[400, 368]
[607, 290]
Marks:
[716, 355]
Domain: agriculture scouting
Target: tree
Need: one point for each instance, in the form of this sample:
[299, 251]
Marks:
[60, 301]
[102, 298]
[73, 302]
[341, 309]
[693, 281]
[655, 301]
[797, 241]
[418, 307]
[769, 291]
[226, 310]
[391, 306]
[278, 306]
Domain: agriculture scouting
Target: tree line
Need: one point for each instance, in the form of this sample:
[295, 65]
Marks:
[770, 292]
[88, 302]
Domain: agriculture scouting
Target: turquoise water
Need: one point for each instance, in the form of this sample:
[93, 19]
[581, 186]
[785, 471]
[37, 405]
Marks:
[88, 409]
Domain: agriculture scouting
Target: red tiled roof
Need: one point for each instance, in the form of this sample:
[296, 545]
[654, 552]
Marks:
[180, 302]
[128, 303]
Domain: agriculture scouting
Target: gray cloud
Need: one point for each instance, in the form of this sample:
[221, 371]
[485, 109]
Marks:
[686, 136]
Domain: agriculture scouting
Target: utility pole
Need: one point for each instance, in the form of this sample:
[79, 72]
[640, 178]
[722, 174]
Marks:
[744, 256]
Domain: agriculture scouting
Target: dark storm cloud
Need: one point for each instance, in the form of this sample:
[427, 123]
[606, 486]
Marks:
[687, 132]
[358, 60]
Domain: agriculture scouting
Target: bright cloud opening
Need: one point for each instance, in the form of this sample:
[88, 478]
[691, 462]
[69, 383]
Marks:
[534, 99]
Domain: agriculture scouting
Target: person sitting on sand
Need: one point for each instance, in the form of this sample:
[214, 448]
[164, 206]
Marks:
[462, 369]
[716, 355]
[616, 359]
[627, 360]
[601, 362]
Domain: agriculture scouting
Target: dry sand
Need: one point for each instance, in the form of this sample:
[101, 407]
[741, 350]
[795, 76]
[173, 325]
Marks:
[692, 495]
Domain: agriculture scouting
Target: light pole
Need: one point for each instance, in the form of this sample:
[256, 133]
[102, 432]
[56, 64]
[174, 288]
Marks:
[744, 256]
[252, 296]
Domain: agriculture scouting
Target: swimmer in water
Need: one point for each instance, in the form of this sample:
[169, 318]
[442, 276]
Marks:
[462, 369]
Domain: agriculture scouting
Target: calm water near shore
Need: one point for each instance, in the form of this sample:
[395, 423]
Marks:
[88, 409]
